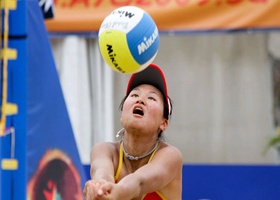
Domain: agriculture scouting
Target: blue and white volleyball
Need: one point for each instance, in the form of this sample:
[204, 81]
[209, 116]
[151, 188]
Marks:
[128, 39]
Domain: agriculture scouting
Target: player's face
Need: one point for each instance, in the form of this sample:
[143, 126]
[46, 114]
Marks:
[144, 108]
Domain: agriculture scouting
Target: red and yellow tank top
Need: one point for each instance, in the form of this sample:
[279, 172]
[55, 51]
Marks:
[157, 195]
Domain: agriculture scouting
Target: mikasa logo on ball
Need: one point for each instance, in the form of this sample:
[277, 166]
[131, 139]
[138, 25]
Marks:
[112, 56]
[146, 43]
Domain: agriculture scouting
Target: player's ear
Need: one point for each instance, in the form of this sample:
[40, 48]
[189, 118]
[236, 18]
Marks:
[164, 124]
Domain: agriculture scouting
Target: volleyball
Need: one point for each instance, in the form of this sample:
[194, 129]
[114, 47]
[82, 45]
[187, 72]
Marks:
[128, 39]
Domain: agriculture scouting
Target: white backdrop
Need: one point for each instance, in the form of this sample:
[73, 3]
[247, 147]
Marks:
[221, 85]
[84, 78]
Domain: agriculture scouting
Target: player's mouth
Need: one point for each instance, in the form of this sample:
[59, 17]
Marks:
[138, 111]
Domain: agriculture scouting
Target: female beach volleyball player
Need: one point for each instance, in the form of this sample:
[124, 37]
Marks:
[141, 165]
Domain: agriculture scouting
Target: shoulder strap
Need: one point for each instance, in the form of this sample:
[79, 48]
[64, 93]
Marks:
[120, 163]
[152, 155]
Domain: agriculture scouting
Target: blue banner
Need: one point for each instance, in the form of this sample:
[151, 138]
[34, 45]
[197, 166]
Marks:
[54, 167]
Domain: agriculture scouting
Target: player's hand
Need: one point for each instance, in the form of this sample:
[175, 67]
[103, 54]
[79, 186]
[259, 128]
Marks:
[93, 189]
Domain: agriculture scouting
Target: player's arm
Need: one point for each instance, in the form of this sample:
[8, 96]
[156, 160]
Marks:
[161, 171]
[101, 169]
[164, 167]
[101, 162]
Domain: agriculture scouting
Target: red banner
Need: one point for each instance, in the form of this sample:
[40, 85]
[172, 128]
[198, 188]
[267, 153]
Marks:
[170, 15]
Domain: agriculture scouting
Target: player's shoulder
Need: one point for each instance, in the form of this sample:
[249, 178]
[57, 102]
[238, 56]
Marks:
[106, 146]
[170, 150]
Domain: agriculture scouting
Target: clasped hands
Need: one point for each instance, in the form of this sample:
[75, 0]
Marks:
[99, 190]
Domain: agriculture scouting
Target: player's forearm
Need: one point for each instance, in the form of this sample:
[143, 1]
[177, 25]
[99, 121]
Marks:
[129, 187]
[98, 174]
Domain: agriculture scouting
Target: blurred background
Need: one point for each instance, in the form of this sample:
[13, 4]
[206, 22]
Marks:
[222, 86]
